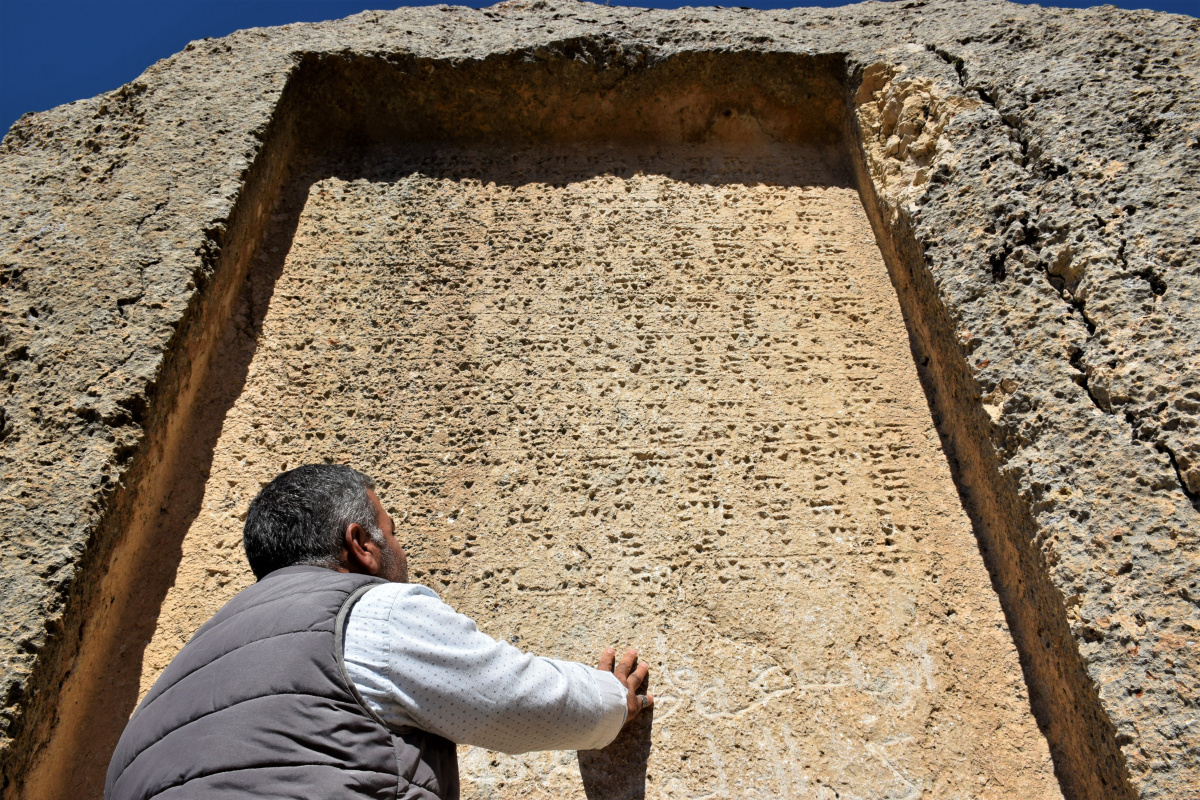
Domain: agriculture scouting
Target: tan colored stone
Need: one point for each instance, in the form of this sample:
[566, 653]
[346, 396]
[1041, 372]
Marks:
[1031, 184]
[661, 398]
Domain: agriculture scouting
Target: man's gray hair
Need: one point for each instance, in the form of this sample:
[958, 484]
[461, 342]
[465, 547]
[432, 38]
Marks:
[301, 517]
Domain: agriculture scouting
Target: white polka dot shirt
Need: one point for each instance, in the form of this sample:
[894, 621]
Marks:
[419, 663]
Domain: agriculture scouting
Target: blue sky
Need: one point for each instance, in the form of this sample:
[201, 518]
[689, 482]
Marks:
[56, 51]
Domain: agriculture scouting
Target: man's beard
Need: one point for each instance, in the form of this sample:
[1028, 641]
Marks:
[388, 563]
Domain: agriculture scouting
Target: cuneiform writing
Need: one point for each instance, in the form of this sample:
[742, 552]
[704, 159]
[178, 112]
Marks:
[663, 398]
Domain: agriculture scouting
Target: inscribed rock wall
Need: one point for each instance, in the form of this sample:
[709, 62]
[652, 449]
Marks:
[661, 398]
[1031, 174]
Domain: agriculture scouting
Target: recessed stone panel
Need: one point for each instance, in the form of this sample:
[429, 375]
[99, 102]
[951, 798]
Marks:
[166, 250]
[660, 397]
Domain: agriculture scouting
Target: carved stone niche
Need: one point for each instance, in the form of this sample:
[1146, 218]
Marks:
[642, 349]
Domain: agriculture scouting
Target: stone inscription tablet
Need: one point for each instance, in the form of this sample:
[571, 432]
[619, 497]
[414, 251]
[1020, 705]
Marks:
[657, 397]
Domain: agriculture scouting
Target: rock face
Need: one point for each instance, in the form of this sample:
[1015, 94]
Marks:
[602, 297]
[621, 394]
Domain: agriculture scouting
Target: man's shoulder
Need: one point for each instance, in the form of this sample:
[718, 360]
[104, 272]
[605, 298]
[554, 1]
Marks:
[298, 589]
[383, 600]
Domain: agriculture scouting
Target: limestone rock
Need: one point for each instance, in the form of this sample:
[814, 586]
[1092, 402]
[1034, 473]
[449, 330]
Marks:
[1031, 177]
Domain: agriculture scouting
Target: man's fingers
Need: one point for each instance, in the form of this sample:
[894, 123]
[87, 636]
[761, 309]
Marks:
[625, 667]
[637, 704]
[639, 675]
[606, 659]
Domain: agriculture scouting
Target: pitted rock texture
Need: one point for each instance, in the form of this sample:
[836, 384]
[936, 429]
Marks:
[1032, 177]
[662, 398]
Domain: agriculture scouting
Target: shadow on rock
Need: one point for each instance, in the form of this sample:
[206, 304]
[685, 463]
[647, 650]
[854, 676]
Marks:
[618, 772]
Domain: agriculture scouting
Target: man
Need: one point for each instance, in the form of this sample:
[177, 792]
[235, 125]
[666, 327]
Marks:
[333, 677]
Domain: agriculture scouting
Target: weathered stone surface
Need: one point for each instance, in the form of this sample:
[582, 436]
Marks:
[1032, 176]
[652, 395]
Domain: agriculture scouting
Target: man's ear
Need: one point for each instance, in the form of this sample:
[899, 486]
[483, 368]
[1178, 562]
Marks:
[361, 553]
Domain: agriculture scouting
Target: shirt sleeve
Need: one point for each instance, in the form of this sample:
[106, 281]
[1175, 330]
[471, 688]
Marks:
[418, 663]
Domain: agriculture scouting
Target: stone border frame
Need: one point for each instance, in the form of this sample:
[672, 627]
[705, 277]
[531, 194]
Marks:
[1019, 296]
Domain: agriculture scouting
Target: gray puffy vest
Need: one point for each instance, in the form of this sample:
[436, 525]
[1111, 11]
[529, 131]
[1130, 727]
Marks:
[258, 705]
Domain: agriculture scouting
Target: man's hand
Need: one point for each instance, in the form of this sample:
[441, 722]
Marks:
[630, 674]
